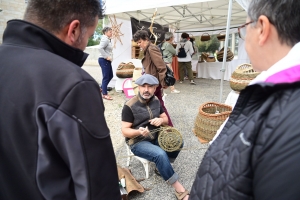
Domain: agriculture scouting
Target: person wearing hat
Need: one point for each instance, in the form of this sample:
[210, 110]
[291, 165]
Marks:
[142, 115]
[105, 59]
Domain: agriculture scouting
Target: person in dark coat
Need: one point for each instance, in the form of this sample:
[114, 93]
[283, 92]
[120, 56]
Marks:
[54, 140]
[256, 155]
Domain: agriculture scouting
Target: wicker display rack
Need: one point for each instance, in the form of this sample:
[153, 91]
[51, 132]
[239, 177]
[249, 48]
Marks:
[125, 70]
[209, 119]
[242, 76]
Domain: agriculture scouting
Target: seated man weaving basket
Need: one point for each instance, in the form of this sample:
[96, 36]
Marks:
[142, 118]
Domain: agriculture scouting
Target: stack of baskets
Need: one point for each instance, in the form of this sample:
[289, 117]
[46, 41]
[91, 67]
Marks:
[125, 70]
[209, 119]
[230, 55]
[242, 76]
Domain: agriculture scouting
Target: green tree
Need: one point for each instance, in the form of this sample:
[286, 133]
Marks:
[97, 35]
[208, 46]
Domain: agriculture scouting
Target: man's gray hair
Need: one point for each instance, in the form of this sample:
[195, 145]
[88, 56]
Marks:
[283, 14]
[54, 15]
[105, 29]
[168, 36]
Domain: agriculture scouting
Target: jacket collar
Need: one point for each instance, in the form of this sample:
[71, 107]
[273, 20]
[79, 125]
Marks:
[23, 33]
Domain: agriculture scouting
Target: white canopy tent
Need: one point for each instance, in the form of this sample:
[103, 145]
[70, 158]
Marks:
[195, 16]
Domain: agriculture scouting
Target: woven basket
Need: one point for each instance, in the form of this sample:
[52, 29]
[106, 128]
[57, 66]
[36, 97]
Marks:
[242, 76]
[230, 55]
[209, 119]
[125, 70]
[204, 56]
[211, 59]
[221, 37]
[205, 37]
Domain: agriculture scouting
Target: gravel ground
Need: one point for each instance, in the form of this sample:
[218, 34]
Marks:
[183, 109]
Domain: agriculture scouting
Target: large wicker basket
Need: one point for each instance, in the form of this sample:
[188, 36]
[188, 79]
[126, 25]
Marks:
[125, 70]
[242, 76]
[209, 119]
[229, 57]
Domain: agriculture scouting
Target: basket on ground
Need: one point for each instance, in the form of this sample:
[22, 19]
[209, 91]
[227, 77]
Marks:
[242, 76]
[125, 70]
[209, 119]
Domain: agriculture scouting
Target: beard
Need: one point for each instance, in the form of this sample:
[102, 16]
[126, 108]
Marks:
[147, 95]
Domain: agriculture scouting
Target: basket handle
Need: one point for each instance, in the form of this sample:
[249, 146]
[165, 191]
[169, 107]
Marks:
[222, 32]
[205, 33]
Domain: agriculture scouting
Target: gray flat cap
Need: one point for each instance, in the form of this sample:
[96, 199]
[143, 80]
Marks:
[147, 79]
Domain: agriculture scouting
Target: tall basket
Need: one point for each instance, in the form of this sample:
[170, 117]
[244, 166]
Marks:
[209, 119]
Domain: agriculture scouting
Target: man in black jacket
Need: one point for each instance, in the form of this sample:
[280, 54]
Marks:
[54, 140]
[256, 156]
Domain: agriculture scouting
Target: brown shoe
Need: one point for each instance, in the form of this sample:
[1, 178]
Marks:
[181, 195]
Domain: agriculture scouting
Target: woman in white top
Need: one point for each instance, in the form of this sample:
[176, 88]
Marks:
[105, 59]
[185, 62]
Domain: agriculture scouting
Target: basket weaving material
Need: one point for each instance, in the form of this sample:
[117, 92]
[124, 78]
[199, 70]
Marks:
[125, 70]
[230, 55]
[204, 56]
[242, 76]
[205, 37]
[170, 139]
[209, 119]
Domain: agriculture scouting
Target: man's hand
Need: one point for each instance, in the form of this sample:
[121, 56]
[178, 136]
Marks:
[144, 131]
[108, 58]
[156, 121]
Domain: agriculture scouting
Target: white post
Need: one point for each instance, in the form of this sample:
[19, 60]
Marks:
[225, 49]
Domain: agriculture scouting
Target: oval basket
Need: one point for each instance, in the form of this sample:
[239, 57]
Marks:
[221, 37]
[170, 139]
[205, 37]
[125, 70]
[209, 119]
[242, 76]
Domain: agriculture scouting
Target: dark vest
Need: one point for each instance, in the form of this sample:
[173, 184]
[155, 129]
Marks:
[142, 112]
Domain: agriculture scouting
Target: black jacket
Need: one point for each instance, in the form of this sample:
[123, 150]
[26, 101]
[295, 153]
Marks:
[54, 140]
[257, 154]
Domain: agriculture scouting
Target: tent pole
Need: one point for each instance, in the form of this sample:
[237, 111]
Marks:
[225, 49]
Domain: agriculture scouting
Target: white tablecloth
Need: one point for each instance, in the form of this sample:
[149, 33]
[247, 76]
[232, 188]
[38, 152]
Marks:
[212, 69]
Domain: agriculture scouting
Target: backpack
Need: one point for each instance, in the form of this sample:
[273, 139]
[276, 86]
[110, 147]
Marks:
[160, 48]
[181, 52]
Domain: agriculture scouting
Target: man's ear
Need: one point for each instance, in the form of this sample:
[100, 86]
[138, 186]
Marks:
[74, 31]
[70, 33]
[264, 28]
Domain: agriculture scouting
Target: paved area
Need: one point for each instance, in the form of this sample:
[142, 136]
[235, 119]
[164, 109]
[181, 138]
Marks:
[183, 109]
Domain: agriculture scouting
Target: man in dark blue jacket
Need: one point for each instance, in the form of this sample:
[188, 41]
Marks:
[256, 156]
[54, 140]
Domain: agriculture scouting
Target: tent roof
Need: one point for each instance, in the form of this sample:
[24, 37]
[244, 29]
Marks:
[194, 15]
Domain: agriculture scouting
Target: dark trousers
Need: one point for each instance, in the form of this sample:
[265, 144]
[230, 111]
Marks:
[158, 93]
[107, 73]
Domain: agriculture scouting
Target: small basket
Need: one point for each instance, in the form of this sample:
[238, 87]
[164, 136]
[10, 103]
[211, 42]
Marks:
[205, 37]
[125, 70]
[230, 55]
[221, 37]
[209, 119]
[211, 59]
[242, 76]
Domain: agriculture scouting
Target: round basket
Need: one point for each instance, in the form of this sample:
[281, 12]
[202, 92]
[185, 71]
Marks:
[125, 70]
[242, 76]
[230, 55]
[209, 119]
[170, 139]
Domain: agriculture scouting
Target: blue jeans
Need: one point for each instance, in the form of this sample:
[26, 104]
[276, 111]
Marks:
[151, 151]
[107, 73]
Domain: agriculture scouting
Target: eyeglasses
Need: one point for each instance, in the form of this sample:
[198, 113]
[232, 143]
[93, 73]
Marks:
[242, 30]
